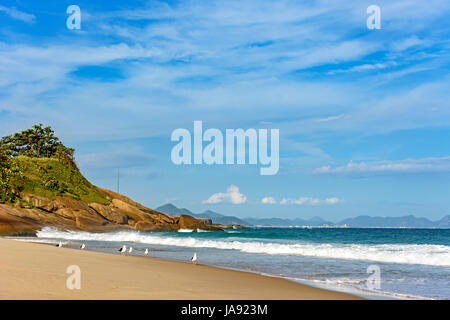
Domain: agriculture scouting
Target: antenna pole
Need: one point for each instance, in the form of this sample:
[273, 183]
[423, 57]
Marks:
[118, 180]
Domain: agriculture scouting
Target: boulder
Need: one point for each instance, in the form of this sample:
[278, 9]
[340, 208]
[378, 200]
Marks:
[206, 221]
[114, 195]
[66, 213]
[147, 227]
[15, 226]
[110, 213]
[132, 211]
[164, 219]
[188, 222]
[40, 202]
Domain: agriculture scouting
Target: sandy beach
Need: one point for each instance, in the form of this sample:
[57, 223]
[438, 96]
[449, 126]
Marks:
[38, 271]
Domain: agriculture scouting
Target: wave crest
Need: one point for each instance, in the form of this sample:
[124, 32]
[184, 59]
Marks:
[434, 255]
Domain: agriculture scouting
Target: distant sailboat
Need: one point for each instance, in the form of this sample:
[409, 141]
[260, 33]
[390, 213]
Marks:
[194, 258]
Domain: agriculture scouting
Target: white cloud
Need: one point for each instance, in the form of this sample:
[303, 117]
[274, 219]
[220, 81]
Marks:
[268, 200]
[18, 15]
[264, 40]
[408, 43]
[332, 200]
[425, 105]
[311, 201]
[331, 118]
[232, 195]
[364, 67]
[441, 164]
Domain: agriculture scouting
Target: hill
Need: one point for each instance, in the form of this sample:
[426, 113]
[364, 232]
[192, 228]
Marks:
[40, 185]
[409, 221]
[171, 209]
[297, 222]
[356, 222]
[51, 178]
[208, 214]
[444, 222]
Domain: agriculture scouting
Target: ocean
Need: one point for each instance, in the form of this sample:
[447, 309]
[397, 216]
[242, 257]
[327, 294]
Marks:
[412, 263]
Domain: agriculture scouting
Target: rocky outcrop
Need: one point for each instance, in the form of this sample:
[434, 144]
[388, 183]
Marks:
[206, 221]
[36, 212]
[15, 226]
[111, 214]
[188, 222]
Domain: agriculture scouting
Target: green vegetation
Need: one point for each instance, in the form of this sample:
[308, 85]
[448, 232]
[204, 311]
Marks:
[37, 142]
[35, 161]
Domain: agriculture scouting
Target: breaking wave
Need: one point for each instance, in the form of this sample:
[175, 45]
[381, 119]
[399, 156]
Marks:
[425, 254]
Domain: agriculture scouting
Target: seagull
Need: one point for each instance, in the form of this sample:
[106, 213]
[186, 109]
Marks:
[59, 245]
[131, 250]
[123, 249]
[194, 258]
[146, 252]
[82, 246]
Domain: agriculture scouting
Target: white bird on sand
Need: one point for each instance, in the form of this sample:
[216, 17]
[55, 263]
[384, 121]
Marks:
[146, 252]
[82, 246]
[59, 245]
[131, 250]
[194, 258]
[123, 249]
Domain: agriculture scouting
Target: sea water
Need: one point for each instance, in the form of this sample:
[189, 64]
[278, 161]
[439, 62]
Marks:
[413, 263]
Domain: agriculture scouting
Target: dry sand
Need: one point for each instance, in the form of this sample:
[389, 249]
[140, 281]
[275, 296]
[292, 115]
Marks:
[38, 271]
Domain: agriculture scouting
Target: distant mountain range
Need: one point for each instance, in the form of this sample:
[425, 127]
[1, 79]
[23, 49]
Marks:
[357, 222]
[399, 222]
[214, 216]
[279, 222]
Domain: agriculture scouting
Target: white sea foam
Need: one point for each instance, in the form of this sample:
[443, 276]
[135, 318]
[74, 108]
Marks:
[434, 255]
[349, 284]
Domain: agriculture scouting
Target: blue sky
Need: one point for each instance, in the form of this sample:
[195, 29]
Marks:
[364, 115]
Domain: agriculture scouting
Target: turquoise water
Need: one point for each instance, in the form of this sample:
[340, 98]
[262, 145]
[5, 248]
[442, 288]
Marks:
[412, 262]
[337, 235]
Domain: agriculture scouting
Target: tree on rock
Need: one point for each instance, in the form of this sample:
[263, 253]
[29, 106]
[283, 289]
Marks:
[37, 142]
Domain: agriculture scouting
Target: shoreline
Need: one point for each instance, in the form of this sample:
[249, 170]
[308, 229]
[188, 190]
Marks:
[36, 271]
